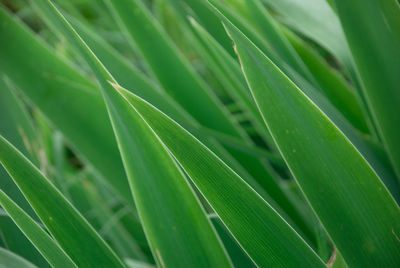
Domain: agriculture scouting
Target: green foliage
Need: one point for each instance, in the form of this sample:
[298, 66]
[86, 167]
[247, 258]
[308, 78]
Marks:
[221, 133]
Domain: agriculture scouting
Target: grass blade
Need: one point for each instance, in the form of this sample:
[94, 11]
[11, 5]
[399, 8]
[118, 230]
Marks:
[334, 86]
[317, 20]
[161, 192]
[9, 259]
[340, 181]
[375, 43]
[68, 227]
[55, 87]
[249, 218]
[16, 125]
[43, 242]
[175, 75]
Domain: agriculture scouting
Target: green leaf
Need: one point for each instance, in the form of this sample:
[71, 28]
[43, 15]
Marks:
[254, 12]
[43, 242]
[176, 77]
[170, 68]
[321, 101]
[317, 20]
[14, 240]
[135, 264]
[160, 190]
[238, 256]
[224, 64]
[351, 201]
[78, 239]
[332, 84]
[126, 73]
[16, 126]
[229, 70]
[9, 259]
[15, 121]
[206, 17]
[374, 42]
[163, 195]
[252, 221]
[53, 85]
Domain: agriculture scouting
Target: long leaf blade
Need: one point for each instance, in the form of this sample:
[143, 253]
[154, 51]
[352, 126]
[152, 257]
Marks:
[175, 74]
[161, 192]
[43, 242]
[374, 42]
[55, 87]
[69, 228]
[351, 201]
[9, 259]
[251, 220]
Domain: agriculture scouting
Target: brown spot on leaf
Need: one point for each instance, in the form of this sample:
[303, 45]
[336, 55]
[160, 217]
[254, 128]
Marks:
[332, 259]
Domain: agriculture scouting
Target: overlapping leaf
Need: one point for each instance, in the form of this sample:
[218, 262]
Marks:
[252, 221]
[349, 198]
[371, 31]
[162, 194]
[9, 259]
[78, 239]
[43, 242]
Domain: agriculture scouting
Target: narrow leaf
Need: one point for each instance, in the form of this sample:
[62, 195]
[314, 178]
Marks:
[68, 227]
[9, 259]
[374, 42]
[160, 190]
[53, 85]
[351, 201]
[42, 241]
[174, 74]
[252, 221]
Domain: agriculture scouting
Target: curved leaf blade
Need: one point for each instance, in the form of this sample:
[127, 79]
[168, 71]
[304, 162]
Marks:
[161, 192]
[375, 44]
[42, 241]
[9, 259]
[68, 227]
[175, 74]
[349, 198]
[54, 86]
[252, 221]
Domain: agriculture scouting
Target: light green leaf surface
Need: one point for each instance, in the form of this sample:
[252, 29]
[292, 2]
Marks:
[78, 239]
[185, 86]
[173, 72]
[371, 30]
[161, 192]
[345, 192]
[317, 20]
[332, 112]
[206, 17]
[249, 218]
[136, 264]
[163, 195]
[9, 259]
[16, 126]
[126, 73]
[254, 12]
[43, 242]
[14, 240]
[332, 83]
[65, 96]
